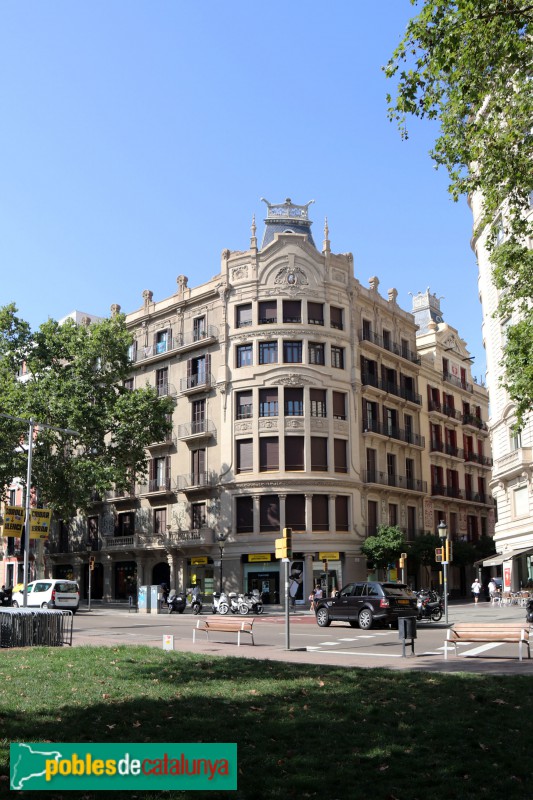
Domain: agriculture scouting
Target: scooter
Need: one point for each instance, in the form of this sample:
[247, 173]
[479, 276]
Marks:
[235, 603]
[429, 605]
[220, 603]
[196, 604]
[176, 603]
[251, 602]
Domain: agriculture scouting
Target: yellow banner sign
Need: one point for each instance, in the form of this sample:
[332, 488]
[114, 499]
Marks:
[40, 519]
[329, 556]
[14, 520]
[199, 560]
[259, 557]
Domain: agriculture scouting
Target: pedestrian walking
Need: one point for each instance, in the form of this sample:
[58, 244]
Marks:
[476, 590]
[492, 590]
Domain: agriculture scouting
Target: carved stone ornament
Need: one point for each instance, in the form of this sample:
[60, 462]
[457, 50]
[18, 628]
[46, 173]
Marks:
[339, 276]
[243, 427]
[292, 380]
[291, 276]
[239, 273]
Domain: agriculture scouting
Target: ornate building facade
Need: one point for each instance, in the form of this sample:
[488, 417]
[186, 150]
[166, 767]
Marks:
[303, 399]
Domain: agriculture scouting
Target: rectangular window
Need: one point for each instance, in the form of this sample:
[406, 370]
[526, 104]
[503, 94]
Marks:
[341, 513]
[320, 505]
[294, 453]
[198, 370]
[315, 313]
[294, 402]
[411, 522]
[125, 524]
[339, 449]
[92, 532]
[268, 352]
[161, 381]
[319, 454]
[268, 402]
[244, 355]
[370, 416]
[128, 384]
[268, 312]
[269, 513]
[132, 351]
[371, 461]
[244, 406]
[367, 330]
[199, 329]
[292, 311]
[318, 402]
[393, 514]
[244, 513]
[160, 520]
[339, 405]
[337, 357]
[295, 512]
[335, 318]
[245, 456]
[391, 469]
[198, 515]
[198, 462]
[243, 315]
[520, 502]
[161, 341]
[387, 340]
[515, 439]
[316, 353]
[268, 454]
[292, 352]
[372, 517]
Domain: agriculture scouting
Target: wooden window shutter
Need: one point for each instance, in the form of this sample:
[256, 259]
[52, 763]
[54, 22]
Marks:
[269, 453]
[320, 512]
[245, 458]
[341, 513]
[319, 453]
[339, 448]
[339, 405]
[294, 453]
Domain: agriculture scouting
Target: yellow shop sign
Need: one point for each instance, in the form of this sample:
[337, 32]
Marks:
[259, 557]
[328, 556]
[199, 560]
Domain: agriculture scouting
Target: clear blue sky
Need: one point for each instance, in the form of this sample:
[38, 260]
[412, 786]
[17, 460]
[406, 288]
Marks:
[137, 138]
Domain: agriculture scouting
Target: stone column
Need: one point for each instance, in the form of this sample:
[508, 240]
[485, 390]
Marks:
[109, 577]
[256, 513]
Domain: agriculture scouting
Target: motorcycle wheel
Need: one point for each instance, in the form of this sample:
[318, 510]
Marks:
[181, 611]
[196, 608]
[259, 609]
[223, 608]
[170, 609]
[436, 615]
[243, 608]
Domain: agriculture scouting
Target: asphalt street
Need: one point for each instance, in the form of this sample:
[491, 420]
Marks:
[338, 645]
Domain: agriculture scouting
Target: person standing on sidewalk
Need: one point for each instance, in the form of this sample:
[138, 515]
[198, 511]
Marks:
[476, 589]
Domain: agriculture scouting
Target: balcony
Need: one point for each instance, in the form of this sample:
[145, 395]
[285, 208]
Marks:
[169, 441]
[200, 429]
[513, 464]
[476, 458]
[195, 537]
[447, 449]
[197, 338]
[467, 387]
[395, 481]
[196, 481]
[155, 486]
[200, 382]
[387, 344]
[116, 495]
[439, 490]
[471, 421]
[446, 411]
[118, 542]
[166, 390]
[392, 432]
[478, 497]
[368, 379]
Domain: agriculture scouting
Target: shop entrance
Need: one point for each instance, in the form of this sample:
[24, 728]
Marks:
[267, 584]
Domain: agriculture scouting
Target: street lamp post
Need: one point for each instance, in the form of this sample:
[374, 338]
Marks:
[443, 534]
[89, 571]
[221, 539]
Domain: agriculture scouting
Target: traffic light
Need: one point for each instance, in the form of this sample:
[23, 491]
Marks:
[449, 550]
[402, 563]
[284, 546]
[91, 562]
[438, 554]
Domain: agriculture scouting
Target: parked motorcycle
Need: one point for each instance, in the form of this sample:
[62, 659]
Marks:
[196, 604]
[429, 605]
[529, 611]
[176, 603]
[5, 596]
[235, 604]
[251, 603]
[220, 603]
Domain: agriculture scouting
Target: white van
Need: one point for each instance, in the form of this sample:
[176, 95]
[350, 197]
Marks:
[50, 593]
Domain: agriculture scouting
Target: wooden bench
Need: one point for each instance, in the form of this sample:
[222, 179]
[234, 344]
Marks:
[488, 632]
[225, 626]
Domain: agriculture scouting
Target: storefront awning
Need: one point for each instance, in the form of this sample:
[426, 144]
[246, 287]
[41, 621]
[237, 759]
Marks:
[498, 559]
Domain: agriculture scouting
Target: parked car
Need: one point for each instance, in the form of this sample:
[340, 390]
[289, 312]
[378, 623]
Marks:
[50, 593]
[367, 604]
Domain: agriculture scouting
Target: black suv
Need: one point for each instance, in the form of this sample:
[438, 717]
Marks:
[364, 604]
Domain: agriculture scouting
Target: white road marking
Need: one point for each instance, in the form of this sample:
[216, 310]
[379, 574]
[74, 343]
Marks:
[352, 653]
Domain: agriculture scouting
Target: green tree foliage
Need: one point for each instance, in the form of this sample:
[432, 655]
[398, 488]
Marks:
[421, 554]
[469, 64]
[74, 379]
[385, 547]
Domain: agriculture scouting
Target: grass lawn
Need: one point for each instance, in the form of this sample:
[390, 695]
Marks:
[302, 731]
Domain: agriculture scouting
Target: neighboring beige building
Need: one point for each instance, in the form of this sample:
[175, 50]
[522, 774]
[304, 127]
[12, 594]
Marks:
[302, 402]
[512, 476]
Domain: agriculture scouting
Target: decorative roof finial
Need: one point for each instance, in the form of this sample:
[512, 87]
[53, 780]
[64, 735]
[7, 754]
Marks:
[326, 242]
[253, 239]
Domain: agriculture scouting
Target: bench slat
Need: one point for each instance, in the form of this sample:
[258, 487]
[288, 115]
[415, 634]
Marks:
[488, 632]
[228, 626]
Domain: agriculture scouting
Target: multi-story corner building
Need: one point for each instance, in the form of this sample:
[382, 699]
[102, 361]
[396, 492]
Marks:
[512, 476]
[301, 401]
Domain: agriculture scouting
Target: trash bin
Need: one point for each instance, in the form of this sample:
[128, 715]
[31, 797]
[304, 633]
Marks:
[144, 599]
[407, 628]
